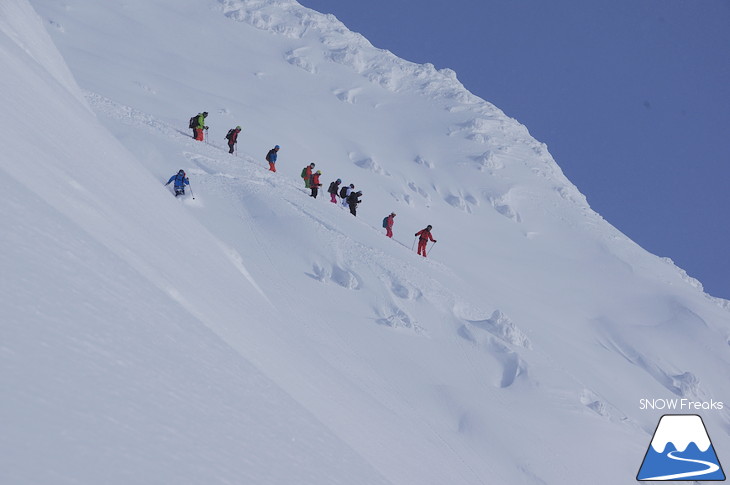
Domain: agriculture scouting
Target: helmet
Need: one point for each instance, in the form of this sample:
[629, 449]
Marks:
[392, 214]
[352, 186]
[311, 164]
[181, 171]
[319, 172]
[429, 227]
[205, 113]
[277, 147]
[238, 128]
[339, 181]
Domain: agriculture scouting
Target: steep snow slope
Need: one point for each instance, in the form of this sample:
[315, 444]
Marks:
[279, 324]
[110, 372]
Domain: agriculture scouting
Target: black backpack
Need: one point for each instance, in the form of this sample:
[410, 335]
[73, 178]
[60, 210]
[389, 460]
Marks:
[193, 121]
[385, 221]
[343, 192]
[230, 133]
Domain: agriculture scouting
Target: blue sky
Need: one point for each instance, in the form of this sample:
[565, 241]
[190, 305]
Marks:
[632, 98]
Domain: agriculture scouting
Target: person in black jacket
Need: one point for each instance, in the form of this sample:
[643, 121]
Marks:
[353, 200]
[333, 189]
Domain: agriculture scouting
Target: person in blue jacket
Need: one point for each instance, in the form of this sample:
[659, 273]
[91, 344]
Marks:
[180, 182]
[271, 158]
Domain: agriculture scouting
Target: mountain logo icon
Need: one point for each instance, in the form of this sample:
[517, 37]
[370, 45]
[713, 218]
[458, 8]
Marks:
[681, 450]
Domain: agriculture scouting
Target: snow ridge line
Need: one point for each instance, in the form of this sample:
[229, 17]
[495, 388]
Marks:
[494, 133]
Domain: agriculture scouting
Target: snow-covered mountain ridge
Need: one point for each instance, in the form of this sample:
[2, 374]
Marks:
[256, 335]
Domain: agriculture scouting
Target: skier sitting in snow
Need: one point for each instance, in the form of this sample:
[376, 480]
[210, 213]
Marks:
[424, 235]
[180, 182]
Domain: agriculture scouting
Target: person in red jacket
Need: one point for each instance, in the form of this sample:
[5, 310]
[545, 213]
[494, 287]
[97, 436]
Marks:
[314, 183]
[424, 235]
[307, 175]
[232, 138]
[389, 224]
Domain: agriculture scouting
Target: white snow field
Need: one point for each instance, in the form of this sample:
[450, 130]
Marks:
[255, 335]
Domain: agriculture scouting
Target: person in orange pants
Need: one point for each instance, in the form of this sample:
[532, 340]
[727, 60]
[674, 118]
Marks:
[271, 158]
[424, 235]
[199, 126]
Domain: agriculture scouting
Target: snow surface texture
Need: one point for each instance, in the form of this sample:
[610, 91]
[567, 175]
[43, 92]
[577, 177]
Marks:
[256, 335]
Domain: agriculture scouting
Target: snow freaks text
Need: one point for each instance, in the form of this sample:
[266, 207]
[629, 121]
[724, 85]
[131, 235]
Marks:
[677, 404]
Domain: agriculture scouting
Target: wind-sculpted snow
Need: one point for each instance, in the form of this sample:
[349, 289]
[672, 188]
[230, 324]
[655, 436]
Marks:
[289, 18]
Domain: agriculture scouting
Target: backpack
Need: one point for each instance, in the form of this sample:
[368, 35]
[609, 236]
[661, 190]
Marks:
[193, 122]
[230, 133]
[304, 172]
[385, 222]
[343, 192]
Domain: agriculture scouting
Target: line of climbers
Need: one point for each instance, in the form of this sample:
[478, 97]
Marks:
[348, 195]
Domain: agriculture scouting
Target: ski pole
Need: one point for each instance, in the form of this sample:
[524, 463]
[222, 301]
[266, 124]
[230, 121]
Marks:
[191, 191]
[206, 137]
[414, 244]
[432, 245]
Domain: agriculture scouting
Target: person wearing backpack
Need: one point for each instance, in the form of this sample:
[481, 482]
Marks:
[345, 193]
[180, 182]
[314, 183]
[424, 235]
[388, 224]
[271, 158]
[353, 201]
[232, 138]
[197, 123]
[307, 175]
[332, 190]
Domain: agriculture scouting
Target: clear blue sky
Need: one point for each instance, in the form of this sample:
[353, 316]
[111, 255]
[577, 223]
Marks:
[632, 98]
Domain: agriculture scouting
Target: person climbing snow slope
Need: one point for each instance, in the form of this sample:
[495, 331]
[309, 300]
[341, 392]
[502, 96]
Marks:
[388, 224]
[424, 235]
[333, 189]
[307, 174]
[314, 183]
[353, 200]
[232, 138]
[271, 158]
[198, 125]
